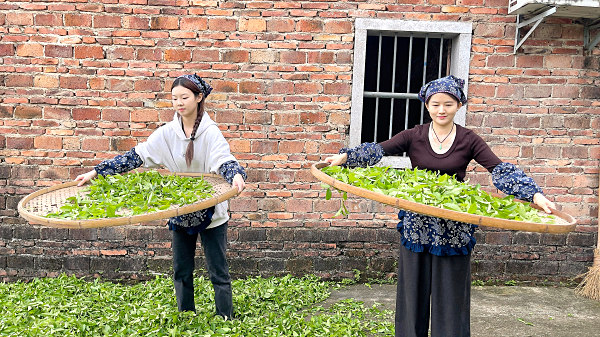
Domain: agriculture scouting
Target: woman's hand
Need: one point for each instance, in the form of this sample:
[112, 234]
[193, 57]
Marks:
[540, 200]
[84, 178]
[336, 160]
[238, 181]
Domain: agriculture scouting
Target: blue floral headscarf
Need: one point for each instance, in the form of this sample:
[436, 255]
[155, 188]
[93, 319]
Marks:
[204, 87]
[450, 85]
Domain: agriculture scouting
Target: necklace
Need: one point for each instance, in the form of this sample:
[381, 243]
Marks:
[438, 139]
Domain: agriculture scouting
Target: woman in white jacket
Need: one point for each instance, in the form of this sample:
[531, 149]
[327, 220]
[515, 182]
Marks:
[192, 142]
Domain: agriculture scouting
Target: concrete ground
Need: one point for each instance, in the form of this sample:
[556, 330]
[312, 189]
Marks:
[507, 310]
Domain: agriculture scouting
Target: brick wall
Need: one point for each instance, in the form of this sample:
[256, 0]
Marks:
[83, 81]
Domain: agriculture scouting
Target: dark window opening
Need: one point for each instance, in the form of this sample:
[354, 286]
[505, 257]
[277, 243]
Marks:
[417, 62]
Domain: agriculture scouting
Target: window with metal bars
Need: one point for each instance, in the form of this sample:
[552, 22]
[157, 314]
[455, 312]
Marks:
[396, 67]
[392, 60]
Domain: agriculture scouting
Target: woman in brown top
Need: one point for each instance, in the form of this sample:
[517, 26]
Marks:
[434, 275]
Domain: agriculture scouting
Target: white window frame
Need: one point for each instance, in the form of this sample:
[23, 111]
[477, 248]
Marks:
[459, 32]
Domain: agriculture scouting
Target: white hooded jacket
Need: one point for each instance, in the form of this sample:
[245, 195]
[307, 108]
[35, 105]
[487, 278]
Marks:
[167, 145]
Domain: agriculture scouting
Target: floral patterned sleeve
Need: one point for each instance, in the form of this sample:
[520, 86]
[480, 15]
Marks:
[366, 154]
[511, 180]
[229, 169]
[119, 164]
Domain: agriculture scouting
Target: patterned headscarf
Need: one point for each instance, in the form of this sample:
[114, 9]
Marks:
[450, 85]
[204, 87]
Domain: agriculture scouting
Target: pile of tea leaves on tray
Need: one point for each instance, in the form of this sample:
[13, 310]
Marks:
[133, 194]
[432, 189]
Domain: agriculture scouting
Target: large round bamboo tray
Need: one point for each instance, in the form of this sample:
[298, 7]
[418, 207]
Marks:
[564, 223]
[36, 205]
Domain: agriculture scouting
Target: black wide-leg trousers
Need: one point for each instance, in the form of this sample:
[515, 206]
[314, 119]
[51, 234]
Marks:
[440, 285]
[214, 243]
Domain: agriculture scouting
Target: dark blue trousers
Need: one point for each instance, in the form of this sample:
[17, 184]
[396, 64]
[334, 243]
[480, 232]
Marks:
[440, 285]
[214, 243]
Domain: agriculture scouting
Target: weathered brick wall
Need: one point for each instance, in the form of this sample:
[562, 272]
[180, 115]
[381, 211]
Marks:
[83, 81]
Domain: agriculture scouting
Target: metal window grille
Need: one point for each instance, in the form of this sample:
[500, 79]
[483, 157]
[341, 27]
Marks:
[397, 64]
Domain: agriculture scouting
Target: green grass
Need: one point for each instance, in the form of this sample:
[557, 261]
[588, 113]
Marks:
[284, 306]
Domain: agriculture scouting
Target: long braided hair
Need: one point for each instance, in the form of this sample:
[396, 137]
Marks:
[184, 82]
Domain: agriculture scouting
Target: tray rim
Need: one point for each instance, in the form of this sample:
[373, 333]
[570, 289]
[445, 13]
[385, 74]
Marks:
[119, 221]
[474, 219]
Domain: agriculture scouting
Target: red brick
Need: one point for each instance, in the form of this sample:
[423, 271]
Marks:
[538, 91]
[286, 119]
[253, 25]
[239, 145]
[122, 144]
[281, 176]
[30, 49]
[494, 61]
[558, 61]
[337, 88]
[6, 111]
[321, 57]
[164, 23]
[565, 91]
[252, 87]
[263, 146]
[573, 152]
[291, 146]
[119, 85]
[78, 20]
[148, 85]
[144, 115]
[339, 27]
[236, 56]
[590, 92]
[308, 88]
[551, 152]
[51, 112]
[530, 61]
[86, 114]
[84, 52]
[286, 87]
[547, 32]
[222, 25]
[96, 83]
[177, 55]
[205, 55]
[134, 22]
[107, 21]
[194, 24]
[121, 53]
[243, 205]
[73, 82]
[58, 51]
[48, 142]
[149, 54]
[311, 26]
[48, 20]
[19, 143]
[489, 30]
[7, 49]
[44, 81]
[481, 90]
[18, 81]
[28, 111]
[116, 115]
[299, 205]
[293, 57]
[19, 19]
[95, 144]
[510, 91]
[280, 25]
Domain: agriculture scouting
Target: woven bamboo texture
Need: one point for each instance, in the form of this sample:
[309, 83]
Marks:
[36, 205]
[564, 222]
